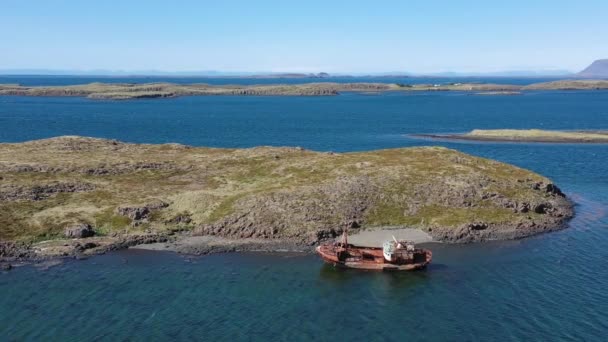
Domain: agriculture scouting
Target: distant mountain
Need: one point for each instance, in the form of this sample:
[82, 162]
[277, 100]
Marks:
[597, 69]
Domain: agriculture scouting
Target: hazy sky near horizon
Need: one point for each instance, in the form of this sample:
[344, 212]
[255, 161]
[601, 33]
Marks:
[305, 36]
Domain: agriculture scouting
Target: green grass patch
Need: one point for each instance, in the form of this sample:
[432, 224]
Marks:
[107, 221]
[436, 215]
[225, 208]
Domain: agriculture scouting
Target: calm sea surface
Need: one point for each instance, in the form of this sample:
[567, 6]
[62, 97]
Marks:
[551, 287]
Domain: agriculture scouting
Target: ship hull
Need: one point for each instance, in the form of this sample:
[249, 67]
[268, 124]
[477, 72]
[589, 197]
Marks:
[370, 258]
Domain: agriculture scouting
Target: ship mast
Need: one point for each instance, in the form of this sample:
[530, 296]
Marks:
[345, 237]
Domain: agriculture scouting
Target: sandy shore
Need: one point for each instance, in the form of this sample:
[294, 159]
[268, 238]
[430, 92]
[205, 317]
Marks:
[214, 244]
[375, 238]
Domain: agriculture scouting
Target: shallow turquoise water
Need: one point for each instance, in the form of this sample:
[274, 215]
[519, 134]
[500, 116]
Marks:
[550, 287]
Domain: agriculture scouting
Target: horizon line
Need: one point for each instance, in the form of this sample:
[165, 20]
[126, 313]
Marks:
[320, 74]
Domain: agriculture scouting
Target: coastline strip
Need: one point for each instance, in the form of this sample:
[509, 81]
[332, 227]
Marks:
[125, 91]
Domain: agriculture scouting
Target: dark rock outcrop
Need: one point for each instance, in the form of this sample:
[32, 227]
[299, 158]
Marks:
[84, 246]
[40, 192]
[183, 218]
[272, 215]
[548, 188]
[79, 231]
[15, 250]
[324, 234]
[477, 226]
[142, 213]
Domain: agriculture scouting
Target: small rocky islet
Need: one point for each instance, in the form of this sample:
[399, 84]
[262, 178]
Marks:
[77, 196]
[527, 135]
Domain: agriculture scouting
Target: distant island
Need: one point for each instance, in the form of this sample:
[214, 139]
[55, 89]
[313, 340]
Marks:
[121, 91]
[527, 135]
[72, 196]
[290, 75]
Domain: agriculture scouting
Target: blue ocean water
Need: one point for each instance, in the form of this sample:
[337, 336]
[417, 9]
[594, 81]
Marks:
[550, 287]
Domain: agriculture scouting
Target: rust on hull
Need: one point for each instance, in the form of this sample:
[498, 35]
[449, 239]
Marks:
[375, 258]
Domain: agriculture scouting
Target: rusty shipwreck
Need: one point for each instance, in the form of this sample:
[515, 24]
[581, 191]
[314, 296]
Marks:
[392, 256]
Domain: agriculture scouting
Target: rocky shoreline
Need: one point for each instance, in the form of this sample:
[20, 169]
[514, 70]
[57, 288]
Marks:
[75, 197]
[21, 253]
[191, 243]
[13, 254]
[11, 251]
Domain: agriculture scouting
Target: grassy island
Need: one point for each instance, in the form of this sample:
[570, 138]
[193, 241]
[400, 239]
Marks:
[529, 135]
[122, 91]
[117, 191]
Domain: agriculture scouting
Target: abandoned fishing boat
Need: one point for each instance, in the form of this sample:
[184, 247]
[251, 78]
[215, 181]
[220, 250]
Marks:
[392, 256]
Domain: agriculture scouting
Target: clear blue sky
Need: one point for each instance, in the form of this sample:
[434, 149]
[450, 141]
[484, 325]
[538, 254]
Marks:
[306, 36]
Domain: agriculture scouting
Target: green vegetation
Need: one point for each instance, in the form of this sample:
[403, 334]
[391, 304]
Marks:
[107, 220]
[49, 184]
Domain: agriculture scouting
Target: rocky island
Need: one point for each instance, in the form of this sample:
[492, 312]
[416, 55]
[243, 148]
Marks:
[526, 135]
[72, 196]
[123, 91]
